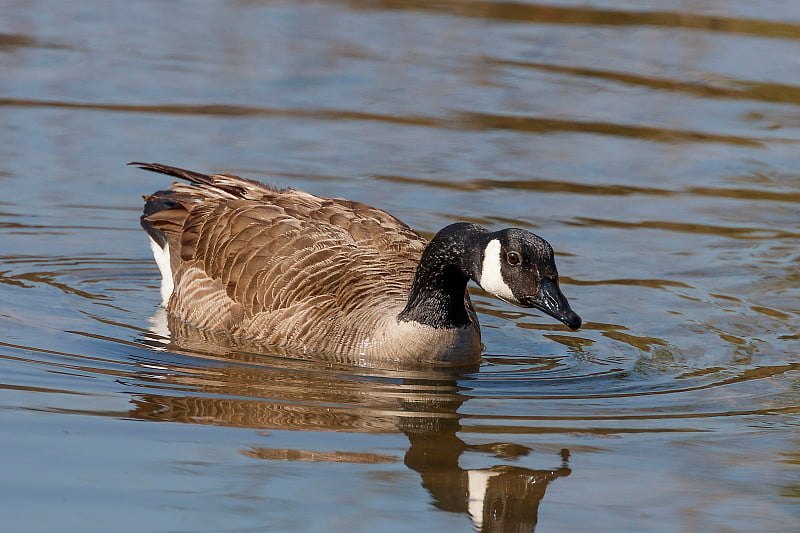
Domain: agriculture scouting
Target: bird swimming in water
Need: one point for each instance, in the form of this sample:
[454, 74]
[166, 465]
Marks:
[329, 276]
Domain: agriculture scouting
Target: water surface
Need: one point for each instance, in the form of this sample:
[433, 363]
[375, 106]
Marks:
[654, 144]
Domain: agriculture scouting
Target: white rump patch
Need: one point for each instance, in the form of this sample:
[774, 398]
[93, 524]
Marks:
[161, 256]
[491, 275]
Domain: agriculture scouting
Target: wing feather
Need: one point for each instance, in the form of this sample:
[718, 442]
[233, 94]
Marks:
[264, 259]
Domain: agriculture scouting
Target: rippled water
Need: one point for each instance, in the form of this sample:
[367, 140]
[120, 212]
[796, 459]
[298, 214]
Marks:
[655, 144]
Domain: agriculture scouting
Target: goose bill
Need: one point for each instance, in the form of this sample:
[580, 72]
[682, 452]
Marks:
[552, 301]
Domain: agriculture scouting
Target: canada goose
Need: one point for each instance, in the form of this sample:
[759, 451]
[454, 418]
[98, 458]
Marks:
[335, 277]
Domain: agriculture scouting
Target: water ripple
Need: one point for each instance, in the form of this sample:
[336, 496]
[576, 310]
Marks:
[732, 89]
[457, 120]
[589, 16]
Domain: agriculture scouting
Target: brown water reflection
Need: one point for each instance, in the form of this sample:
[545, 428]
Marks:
[293, 395]
[579, 15]
[735, 89]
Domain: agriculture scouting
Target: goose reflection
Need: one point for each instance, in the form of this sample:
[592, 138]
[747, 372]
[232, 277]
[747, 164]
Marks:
[242, 389]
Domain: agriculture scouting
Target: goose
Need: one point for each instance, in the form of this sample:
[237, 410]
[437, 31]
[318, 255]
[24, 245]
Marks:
[333, 277]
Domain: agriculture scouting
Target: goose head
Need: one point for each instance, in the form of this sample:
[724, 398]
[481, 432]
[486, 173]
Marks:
[512, 264]
[519, 267]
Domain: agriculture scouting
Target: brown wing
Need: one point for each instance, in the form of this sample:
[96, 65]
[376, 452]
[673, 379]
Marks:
[241, 249]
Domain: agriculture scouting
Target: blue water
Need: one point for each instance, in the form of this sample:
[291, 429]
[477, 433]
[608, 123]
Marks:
[653, 144]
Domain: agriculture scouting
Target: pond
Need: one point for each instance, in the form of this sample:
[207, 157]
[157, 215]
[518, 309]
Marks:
[654, 144]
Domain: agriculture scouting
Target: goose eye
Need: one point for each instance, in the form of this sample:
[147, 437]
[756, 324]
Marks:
[513, 258]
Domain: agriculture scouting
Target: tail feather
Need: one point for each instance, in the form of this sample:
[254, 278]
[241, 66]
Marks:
[188, 175]
[167, 214]
[195, 178]
[156, 203]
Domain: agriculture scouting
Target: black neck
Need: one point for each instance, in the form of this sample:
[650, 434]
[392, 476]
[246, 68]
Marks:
[437, 295]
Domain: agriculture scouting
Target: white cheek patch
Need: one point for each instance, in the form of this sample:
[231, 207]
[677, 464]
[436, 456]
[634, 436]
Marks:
[161, 256]
[491, 276]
